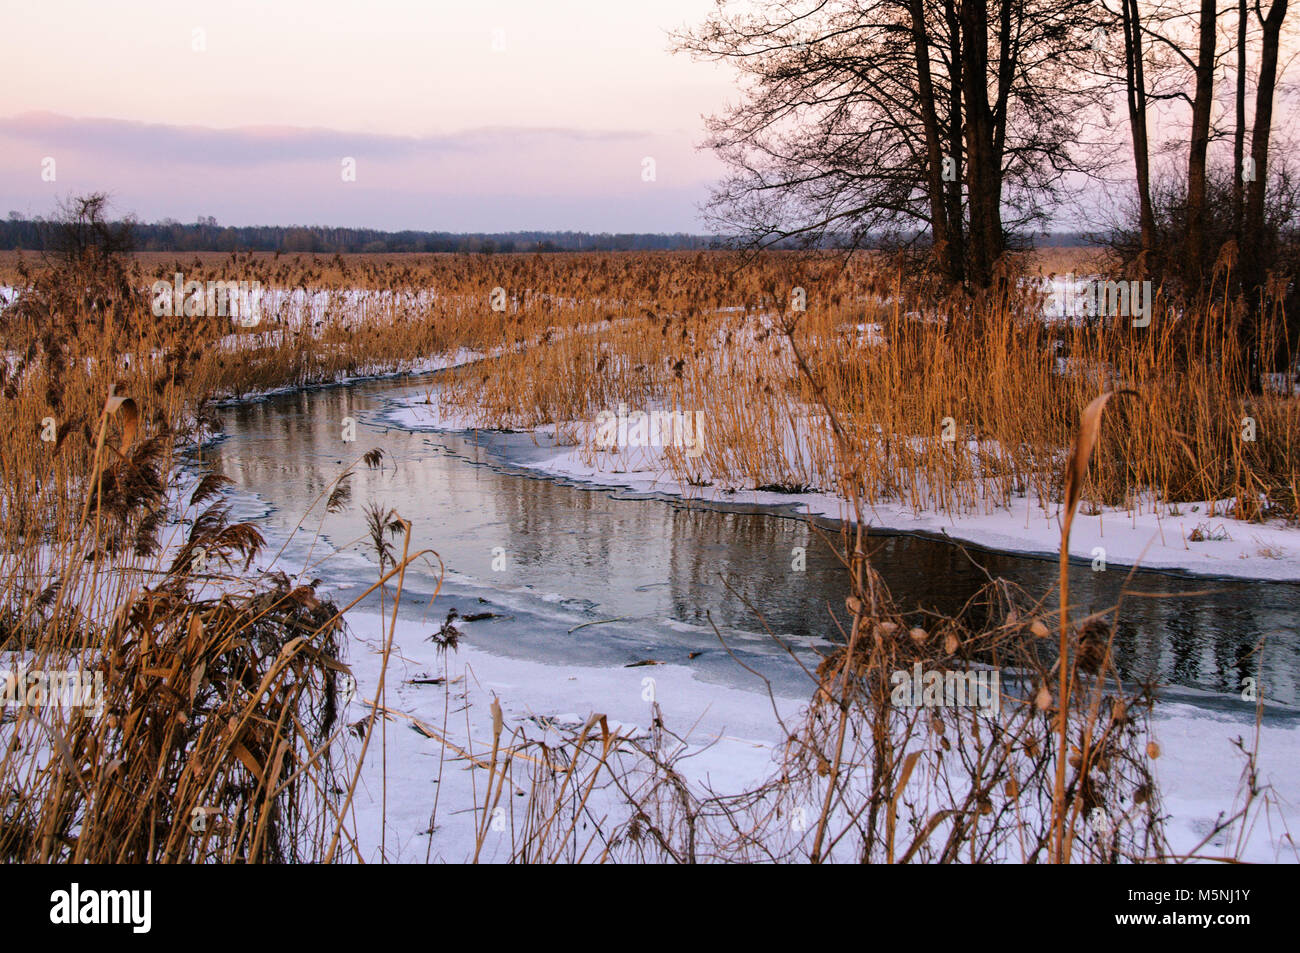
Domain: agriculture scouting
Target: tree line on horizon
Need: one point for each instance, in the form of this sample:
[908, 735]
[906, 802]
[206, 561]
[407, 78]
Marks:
[36, 234]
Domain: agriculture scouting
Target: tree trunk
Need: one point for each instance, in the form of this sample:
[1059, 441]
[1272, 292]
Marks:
[956, 220]
[939, 229]
[1200, 145]
[1254, 257]
[982, 193]
[1137, 113]
[1257, 254]
[1239, 132]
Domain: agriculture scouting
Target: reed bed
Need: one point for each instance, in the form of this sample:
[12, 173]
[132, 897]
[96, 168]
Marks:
[220, 699]
[993, 376]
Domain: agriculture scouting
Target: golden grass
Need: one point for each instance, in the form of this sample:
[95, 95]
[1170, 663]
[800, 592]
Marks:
[222, 691]
[893, 367]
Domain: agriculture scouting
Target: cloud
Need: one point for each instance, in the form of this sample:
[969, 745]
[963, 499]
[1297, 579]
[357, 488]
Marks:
[156, 143]
[494, 178]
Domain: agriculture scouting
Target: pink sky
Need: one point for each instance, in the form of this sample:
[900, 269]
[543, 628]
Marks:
[492, 116]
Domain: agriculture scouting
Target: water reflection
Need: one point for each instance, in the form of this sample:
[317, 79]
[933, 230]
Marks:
[657, 559]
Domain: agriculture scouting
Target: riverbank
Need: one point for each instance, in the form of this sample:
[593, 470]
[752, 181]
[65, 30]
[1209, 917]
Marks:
[1190, 537]
[724, 739]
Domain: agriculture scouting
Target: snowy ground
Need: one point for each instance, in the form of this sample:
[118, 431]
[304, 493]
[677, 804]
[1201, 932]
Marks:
[732, 734]
[735, 726]
[423, 366]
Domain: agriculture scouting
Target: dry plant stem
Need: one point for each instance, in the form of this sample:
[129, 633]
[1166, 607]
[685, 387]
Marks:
[606, 747]
[1075, 476]
[492, 763]
[845, 681]
[1062, 693]
[400, 572]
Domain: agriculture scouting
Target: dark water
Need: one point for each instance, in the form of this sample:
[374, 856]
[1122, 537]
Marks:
[669, 571]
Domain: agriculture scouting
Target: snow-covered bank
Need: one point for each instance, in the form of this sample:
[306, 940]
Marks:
[730, 731]
[1185, 537]
[731, 736]
[381, 371]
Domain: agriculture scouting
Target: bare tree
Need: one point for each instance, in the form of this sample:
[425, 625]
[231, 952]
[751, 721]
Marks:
[1212, 204]
[917, 120]
[1198, 152]
[1255, 254]
[88, 256]
[81, 236]
[1239, 129]
[1136, 95]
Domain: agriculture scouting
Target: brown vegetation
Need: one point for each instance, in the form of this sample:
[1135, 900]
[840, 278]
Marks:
[220, 693]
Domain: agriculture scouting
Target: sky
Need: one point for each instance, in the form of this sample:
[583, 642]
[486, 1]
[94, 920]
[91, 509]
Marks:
[494, 115]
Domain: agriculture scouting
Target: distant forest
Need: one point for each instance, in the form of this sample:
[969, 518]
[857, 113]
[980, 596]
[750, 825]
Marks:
[207, 235]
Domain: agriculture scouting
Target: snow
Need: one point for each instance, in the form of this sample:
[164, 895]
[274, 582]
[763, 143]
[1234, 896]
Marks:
[1199, 776]
[425, 365]
[736, 723]
[730, 737]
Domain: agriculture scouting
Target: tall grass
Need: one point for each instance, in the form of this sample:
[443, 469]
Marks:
[221, 710]
[894, 368]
